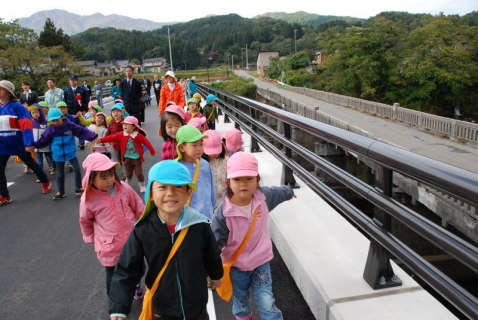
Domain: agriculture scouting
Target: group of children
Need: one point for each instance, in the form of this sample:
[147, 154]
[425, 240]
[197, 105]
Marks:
[199, 203]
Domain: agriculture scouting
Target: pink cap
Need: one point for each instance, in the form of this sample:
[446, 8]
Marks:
[92, 103]
[242, 164]
[197, 122]
[174, 108]
[233, 140]
[96, 162]
[132, 120]
[119, 100]
[213, 142]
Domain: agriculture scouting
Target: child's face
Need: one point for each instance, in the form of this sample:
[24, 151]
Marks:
[35, 114]
[192, 150]
[116, 114]
[172, 127]
[45, 111]
[57, 122]
[192, 107]
[243, 188]
[92, 111]
[100, 120]
[170, 199]
[104, 181]
[128, 128]
[198, 100]
[64, 110]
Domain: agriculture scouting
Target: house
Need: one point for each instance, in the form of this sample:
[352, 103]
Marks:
[319, 57]
[263, 60]
[104, 69]
[155, 65]
[87, 67]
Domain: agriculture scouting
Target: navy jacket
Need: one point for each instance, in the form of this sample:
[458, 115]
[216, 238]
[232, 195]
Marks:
[70, 99]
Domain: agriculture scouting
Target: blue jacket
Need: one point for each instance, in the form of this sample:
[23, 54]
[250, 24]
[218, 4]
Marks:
[15, 129]
[62, 140]
[192, 88]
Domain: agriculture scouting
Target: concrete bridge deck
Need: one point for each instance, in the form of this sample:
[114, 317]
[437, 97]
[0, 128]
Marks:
[397, 134]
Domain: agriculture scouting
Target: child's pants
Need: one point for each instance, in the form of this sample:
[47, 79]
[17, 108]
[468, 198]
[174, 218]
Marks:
[202, 316]
[48, 158]
[260, 282]
[60, 178]
[135, 165]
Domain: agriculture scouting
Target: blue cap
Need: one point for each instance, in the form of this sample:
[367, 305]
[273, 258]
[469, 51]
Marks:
[54, 114]
[166, 172]
[210, 97]
[73, 77]
[118, 106]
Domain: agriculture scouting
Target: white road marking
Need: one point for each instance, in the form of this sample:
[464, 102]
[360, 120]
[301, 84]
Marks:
[9, 184]
[210, 306]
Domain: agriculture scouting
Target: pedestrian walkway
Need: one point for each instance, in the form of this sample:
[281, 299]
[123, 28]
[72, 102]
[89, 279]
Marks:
[397, 134]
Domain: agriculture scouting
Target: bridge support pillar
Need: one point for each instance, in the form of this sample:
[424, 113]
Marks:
[330, 153]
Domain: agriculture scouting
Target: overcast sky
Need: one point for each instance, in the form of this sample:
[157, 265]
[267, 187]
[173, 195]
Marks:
[185, 10]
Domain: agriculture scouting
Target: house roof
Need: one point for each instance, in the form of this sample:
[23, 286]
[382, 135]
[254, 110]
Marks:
[82, 63]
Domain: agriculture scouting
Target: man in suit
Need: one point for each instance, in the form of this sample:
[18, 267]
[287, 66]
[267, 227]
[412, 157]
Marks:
[131, 88]
[157, 84]
[87, 87]
[28, 97]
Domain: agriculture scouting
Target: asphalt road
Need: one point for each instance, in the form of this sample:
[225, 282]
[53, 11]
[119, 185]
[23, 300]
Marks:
[47, 272]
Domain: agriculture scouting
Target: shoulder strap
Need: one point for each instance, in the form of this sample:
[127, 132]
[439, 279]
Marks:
[212, 113]
[195, 178]
[246, 239]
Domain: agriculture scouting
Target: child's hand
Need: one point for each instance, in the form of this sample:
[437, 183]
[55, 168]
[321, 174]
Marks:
[30, 149]
[78, 114]
[213, 284]
[294, 196]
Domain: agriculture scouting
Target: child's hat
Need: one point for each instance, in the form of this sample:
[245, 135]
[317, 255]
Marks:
[242, 164]
[213, 142]
[101, 114]
[210, 97]
[118, 106]
[170, 74]
[192, 100]
[132, 120]
[197, 122]
[119, 101]
[34, 106]
[96, 107]
[233, 140]
[61, 104]
[197, 95]
[185, 134]
[174, 108]
[96, 162]
[43, 104]
[166, 172]
[54, 114]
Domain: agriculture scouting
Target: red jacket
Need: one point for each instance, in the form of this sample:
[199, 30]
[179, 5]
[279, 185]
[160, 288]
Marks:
[166, 95]
[138, 141]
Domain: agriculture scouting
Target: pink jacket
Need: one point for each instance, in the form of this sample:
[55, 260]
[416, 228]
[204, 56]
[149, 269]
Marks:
[107, 222]
[230, 226]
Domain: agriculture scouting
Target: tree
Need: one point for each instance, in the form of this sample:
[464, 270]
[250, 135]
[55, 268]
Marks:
[51, 37]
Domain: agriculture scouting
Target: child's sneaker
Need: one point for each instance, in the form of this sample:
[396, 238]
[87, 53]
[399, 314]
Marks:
[139, 293]
[79, 192]
[27, 170]
[52, 171]
[69, 167]
[46, 187]
[59, 195]
[37, 181]
[5, 200]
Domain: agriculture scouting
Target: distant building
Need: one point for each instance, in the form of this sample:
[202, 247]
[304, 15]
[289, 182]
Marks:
[263, 60]
[156, 65]
[87, 67]
[104, 69]
[319, 57]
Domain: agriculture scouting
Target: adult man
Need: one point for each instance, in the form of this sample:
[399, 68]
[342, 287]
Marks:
[157, 84]
[98, 88]
[192, 88]
[16, 135]
[147, 84]
[87, 87]
[77, 99]
[54, 94]
[28, 97]
[131, 88]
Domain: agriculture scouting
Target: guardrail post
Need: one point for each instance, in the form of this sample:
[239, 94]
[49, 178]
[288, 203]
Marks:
[287, 177]
[378, 271]
[254, 144]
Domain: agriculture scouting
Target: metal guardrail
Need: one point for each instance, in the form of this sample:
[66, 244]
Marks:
[378, 272]
[455, 129]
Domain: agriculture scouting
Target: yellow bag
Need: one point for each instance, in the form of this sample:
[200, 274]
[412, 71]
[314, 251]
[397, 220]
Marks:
[147, 312]
[226, 288]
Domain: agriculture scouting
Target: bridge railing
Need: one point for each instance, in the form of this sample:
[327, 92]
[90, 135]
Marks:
[454, 129]
[378, 272]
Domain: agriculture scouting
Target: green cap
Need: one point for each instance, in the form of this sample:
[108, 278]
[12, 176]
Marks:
[43, 104]
[61, 104]
[185, 134]
[192, 100]
[97, 108]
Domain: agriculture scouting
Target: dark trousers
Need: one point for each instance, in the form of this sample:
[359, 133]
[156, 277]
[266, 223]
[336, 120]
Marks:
[60, 178]
[48, 158]
[109, 275]
[211, 125]
[28, 160]
[135, 165]
[202, 316]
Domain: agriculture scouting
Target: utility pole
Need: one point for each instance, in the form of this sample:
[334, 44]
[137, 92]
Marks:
[232, 63]
[170, 54]
[247, 61]
[295, 40]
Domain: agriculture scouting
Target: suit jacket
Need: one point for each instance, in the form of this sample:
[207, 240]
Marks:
[156, 90]
[131, 95]
[148, 85]
[32, 98]
[72, 102]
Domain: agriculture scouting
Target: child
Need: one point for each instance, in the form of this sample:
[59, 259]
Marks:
[171, 121]
[246, 204]
[109, 209]
[45, 108]
[199, 123]
[210, 111]
[182, 291]
[116, 126]
[193, 110]
[123, 108]
[233, 141]
[215, 154]
[92, 111]
[190, 150]
[61, 138]
[198, 98]
[131, 142]
[64, 110]
[39, 126]
[99, 127]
